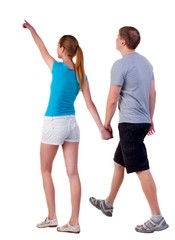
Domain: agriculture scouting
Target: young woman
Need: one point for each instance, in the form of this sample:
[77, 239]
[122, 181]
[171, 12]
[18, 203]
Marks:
[60, 126]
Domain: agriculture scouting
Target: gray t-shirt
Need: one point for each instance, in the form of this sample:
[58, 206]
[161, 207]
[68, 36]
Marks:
[134, 73]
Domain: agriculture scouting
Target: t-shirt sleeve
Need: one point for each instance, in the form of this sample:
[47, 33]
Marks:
[117, 77]
[153, 74]
[151, 70]
[55, 66]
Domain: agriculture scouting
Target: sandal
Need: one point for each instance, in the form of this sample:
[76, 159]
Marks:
[150, 226]
[69, 228]
[48, 223]
[101, 205]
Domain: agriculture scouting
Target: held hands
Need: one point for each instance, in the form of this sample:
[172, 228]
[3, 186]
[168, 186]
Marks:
[106, 133]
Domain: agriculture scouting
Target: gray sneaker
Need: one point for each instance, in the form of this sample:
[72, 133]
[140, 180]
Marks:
[151, 226]
[48, 223]
[101, 205]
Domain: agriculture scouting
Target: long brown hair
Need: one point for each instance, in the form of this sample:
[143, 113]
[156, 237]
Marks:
[73, 49]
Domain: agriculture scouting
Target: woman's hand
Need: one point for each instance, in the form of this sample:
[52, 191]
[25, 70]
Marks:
[49, 60]
[27, 25]
[106, 134]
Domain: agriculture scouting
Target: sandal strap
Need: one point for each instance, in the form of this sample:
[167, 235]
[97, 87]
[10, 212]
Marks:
[149, 224]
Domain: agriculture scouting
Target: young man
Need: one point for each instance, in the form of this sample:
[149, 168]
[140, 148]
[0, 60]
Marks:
[133, 89]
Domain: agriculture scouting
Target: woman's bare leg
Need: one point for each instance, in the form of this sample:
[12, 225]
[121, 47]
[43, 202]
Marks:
[47, 155]
[70, 151]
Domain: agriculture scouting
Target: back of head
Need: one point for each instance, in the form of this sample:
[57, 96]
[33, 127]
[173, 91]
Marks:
[131, 36]
[71, 45]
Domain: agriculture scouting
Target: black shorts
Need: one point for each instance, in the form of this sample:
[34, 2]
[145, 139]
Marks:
[131, 151]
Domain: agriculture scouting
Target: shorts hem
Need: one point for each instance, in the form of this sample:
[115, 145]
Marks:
[72, 141]
[137, 170]
[58, 144]
[51, 143]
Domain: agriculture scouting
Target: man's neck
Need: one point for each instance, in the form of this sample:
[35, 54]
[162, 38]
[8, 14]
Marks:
[127, 51]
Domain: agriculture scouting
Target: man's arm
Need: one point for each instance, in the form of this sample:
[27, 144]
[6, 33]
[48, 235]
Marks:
[111, 105]
[152, 102]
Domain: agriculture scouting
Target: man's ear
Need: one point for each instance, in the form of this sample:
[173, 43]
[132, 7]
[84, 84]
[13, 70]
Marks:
[123, 42]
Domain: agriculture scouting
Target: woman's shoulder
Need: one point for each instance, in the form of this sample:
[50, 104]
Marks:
[57, 64]
[56, 67]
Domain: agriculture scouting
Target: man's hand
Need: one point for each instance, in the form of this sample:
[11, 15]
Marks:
[151, 130]
[106, 134]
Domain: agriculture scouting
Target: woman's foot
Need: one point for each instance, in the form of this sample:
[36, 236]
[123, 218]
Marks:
[48, 223]
[69, 228]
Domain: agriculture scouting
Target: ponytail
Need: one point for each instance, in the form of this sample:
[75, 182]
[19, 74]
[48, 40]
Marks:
[79, 67]
[73, 49]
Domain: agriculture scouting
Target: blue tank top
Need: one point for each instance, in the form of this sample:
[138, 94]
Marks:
[64, 89]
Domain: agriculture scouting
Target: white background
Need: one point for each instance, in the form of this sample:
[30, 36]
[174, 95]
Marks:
[24, 92]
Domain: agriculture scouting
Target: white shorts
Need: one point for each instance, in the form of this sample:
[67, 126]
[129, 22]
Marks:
[57, 130]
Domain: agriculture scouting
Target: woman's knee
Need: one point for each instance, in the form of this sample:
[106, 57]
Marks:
[72, 173]
[45, 170]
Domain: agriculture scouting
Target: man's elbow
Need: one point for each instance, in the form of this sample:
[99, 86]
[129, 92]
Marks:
[112, 103]
[153, 94]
